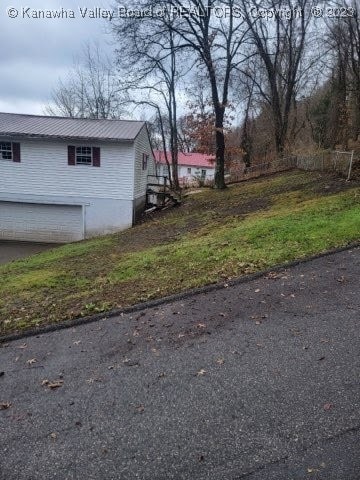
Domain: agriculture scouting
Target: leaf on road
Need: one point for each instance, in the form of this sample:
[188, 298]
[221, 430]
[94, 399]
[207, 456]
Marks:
[328, 406]
[201, 372]
[312, 470]
[52, 385]
[24, 345]
[220, 361]
[201, 325]
[5, 405]
[31, 361]
[140, 408]
[53, 435]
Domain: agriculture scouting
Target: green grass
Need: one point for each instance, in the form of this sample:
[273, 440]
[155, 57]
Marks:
[214, 235]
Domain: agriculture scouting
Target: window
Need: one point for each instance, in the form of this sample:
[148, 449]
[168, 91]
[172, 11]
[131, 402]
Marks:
[189, 171]
[203, 173]
[145, 161]
[6, 151]
[83, 156]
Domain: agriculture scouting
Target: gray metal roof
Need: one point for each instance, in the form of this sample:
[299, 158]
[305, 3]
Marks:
[68, 128]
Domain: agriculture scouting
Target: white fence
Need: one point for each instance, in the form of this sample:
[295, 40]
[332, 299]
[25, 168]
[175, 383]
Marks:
[336, 160]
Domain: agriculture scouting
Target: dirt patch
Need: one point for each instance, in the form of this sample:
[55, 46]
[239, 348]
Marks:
[330, 183]
[253, 205]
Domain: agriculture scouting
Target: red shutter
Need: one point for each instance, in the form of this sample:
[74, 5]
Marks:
[71, 155]
[16, 152]
[96, 156]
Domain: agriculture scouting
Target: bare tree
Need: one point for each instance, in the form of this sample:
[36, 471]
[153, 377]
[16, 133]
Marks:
[282, 57]
[92, 89]
[149, 55]
[216, 40]
[205, 37]
[344, 40]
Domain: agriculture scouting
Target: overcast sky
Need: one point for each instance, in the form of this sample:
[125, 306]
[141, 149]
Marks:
[36, 52]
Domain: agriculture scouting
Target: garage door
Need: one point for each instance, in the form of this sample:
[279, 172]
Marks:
[40, 223]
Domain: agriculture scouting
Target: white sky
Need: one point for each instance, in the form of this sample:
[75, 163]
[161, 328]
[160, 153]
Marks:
[36, 52]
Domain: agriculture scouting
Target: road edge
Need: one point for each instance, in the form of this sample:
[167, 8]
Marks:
[169, 298]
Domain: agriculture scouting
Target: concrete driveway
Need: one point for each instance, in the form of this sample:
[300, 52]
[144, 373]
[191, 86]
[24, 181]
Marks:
[11, 250]
[257, 381]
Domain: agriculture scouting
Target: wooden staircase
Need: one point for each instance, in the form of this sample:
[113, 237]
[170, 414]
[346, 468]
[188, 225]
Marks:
[159, 194]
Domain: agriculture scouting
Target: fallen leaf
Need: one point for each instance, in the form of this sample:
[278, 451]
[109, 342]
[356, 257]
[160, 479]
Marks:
[77, 342]
[257, 290]
[24, 345]
[130, 363]
[53, 435]
[328, 406]
[220, 361]
[52, 385]
[5, 405]
[140, 408]
[201, 372]
[31, 361]
[273, 275]
[201, 325]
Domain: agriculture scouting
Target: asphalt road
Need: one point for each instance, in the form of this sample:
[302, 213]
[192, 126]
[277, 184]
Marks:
[254, 381]
[12, 250]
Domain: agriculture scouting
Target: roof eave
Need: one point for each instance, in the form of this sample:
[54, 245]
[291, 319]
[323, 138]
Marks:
[64, 137]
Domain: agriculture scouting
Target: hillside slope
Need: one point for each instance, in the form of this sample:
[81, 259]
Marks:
[212, 236]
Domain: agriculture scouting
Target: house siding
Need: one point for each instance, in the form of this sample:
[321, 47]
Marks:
[105, 194]
[183, 172]
[142, 145]
[44, 170]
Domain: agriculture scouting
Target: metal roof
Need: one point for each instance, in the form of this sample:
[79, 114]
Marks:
[193, 159]
[69, 128]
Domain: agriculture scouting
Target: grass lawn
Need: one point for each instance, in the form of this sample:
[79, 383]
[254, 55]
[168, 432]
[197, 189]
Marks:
[212, 236]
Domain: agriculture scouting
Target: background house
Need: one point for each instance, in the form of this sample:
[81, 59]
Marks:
[65, 179]
[192, 167]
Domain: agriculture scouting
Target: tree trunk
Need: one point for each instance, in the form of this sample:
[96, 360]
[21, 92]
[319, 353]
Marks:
[219, 181]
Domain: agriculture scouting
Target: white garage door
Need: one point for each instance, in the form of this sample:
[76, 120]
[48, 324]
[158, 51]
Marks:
[40, 223]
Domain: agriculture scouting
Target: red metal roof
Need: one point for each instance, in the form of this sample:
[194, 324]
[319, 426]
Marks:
[188, 159]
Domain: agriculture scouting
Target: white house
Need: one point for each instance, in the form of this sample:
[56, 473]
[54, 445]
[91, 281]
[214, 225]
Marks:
[66, 179]
[191, 166]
